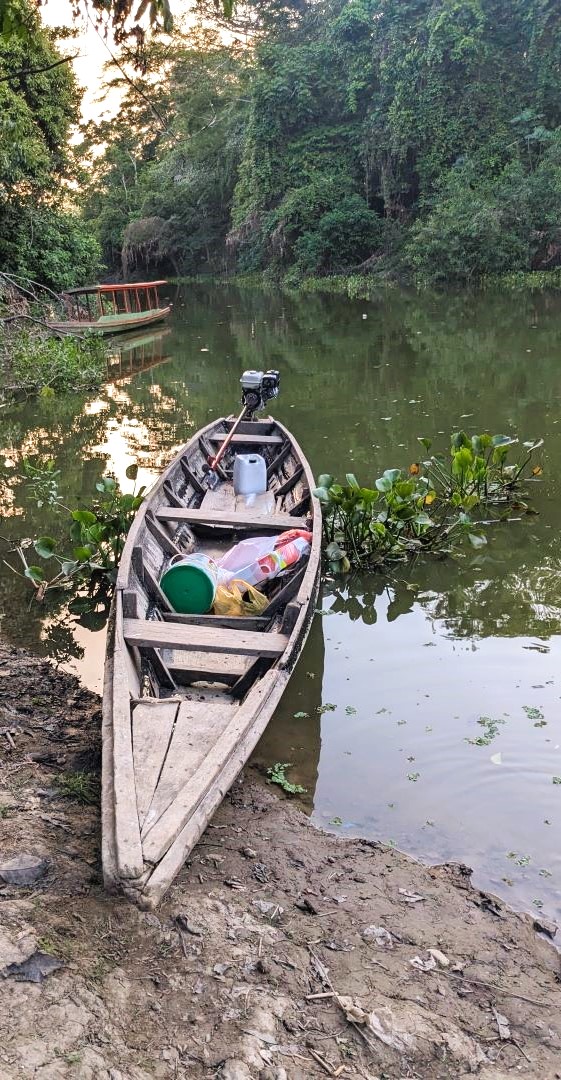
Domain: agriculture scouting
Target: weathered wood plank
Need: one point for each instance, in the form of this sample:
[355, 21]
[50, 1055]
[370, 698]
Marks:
[152, 726]
[289, 589]
[246, 519]
[162, 676]
[221, 667]
[241, 742]
[289, 482]
[224, 622]
[130, 862]
[153, 588]
[197, 727]
[247, 440]
[165, 542]
[163, 832]
[108, 846]
[165, 635]
[192, 477]
[278, 460]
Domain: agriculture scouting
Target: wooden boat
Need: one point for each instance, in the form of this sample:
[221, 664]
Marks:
[186, 697]
[112, 309]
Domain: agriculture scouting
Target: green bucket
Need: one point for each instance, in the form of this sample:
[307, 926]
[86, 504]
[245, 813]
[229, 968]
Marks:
[190, 583]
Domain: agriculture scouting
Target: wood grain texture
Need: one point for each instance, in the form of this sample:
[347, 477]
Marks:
[151, 733]
[130, 862]
[239, 519]
[197, 727]
[166, 635]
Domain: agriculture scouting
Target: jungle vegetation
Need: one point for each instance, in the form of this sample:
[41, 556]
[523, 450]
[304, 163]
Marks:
[406, 139]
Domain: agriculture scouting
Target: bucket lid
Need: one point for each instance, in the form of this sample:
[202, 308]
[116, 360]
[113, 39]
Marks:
[189, 589]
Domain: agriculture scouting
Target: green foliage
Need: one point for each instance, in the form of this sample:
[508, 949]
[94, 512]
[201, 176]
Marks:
[81, 786]
[34, 363]
[91, 552]
[397, 140]
[490, 731]
[277, 775]
[426, 509]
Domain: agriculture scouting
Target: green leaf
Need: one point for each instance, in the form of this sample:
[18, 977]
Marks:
[325, 480]
[352, 481]
[383, 484]
[131, 472]
[392, 474]
[83, 553]
[45, 546]
[34, 573]
[427, 443]
[84, 517]
[322, 494]
[459, 439]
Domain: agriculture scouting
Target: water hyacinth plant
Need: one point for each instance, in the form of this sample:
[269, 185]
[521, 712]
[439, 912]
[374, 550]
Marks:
[95, 536]
[428, 507]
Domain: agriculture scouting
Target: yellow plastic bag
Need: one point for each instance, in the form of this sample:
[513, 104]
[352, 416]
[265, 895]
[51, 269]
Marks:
[238, 598]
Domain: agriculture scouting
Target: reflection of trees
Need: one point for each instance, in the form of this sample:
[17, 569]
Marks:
[422, 360]
[525, 603]
[510, 597]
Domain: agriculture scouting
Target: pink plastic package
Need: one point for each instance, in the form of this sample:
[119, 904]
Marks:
[263, 557]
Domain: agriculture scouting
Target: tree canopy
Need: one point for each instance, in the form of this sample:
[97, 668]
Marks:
[410, 138]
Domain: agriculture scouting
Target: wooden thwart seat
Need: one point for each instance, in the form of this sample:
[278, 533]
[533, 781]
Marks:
[246, 519]
[166, 635]
[248, 440]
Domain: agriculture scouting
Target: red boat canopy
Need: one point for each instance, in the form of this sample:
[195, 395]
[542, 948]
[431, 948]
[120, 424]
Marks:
[116, 288]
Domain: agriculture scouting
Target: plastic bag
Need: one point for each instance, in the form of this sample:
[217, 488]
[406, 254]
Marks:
[264, 557]
[236, 597]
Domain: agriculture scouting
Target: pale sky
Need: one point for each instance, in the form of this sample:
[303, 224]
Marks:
[89, 65]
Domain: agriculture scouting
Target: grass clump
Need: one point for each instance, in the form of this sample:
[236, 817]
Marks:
[81, 786]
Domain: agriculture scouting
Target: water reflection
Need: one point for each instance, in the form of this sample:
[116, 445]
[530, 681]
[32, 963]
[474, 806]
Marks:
[411, 661]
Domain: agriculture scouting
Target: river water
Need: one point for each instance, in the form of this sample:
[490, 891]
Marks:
[398, 670]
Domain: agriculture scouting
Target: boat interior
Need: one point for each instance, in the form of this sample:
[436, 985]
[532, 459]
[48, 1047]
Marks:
[213, 659]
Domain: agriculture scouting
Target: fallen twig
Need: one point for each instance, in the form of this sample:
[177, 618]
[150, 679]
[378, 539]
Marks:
[325, 978]
[493, 986]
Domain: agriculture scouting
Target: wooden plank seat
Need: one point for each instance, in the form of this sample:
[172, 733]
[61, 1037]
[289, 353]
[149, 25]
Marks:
[165, 635]
[247, 440]
[246, 519]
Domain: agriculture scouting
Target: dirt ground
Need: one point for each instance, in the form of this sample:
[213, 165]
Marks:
[281, 952]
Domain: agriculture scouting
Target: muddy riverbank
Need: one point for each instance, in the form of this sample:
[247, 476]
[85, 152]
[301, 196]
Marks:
[281, 952]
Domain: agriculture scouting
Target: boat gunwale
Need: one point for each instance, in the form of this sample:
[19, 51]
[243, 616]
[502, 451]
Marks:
[254, 711]
[125, 323]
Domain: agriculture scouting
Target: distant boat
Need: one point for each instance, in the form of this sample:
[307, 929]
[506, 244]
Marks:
[112, 309]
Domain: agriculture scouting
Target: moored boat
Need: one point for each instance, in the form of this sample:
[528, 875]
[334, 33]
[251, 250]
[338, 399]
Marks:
[112, 309]
[187, 697]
